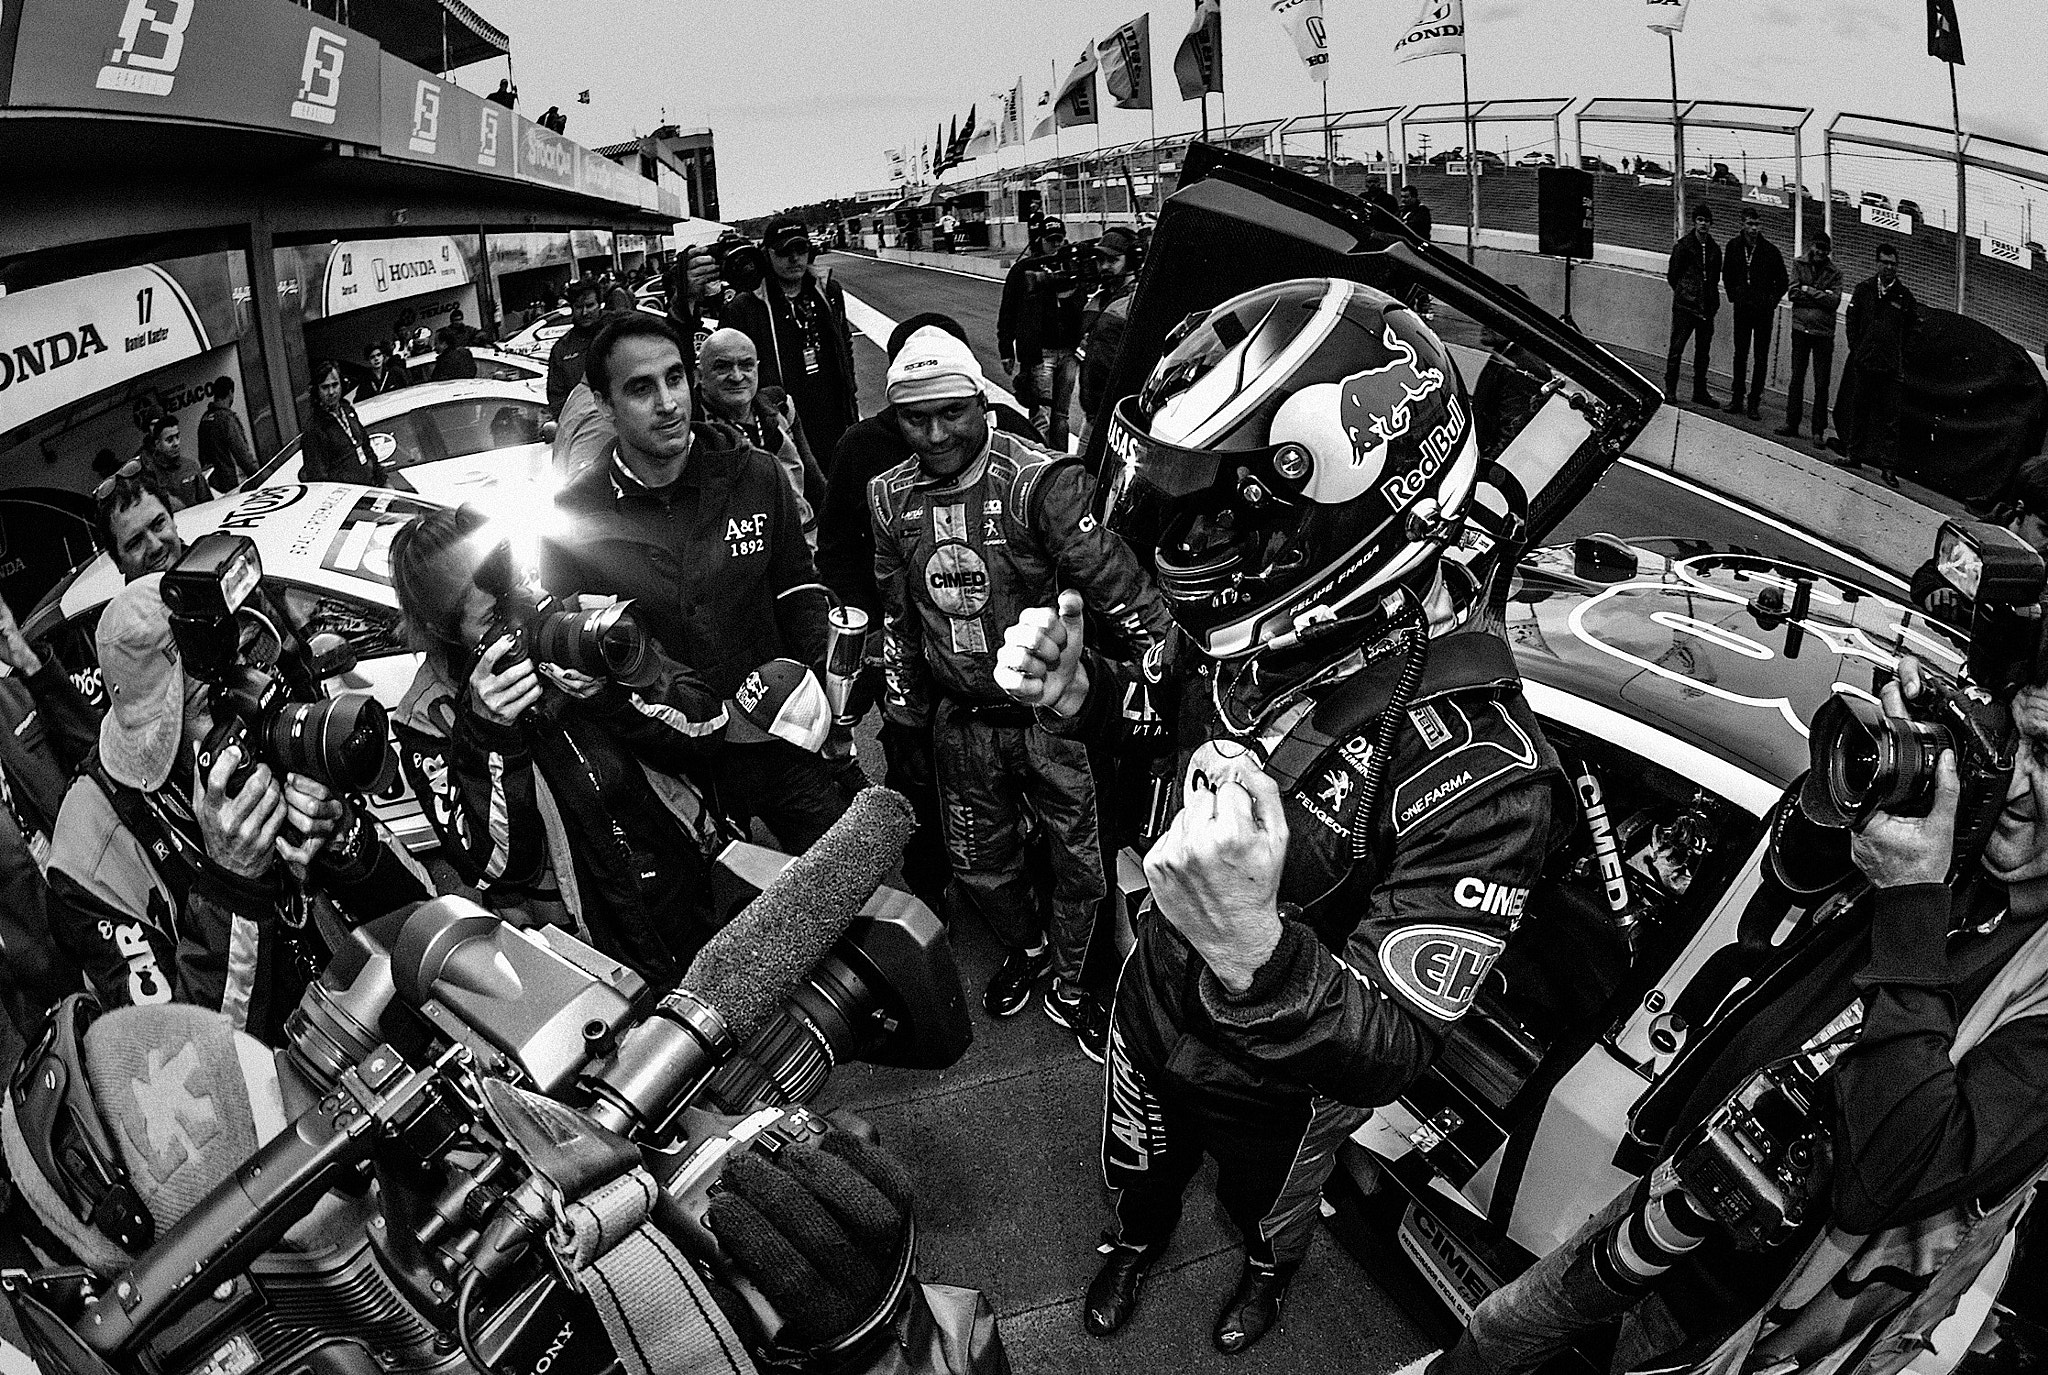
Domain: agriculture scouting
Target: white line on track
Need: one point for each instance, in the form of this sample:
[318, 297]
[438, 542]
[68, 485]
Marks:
[1751, 513]
[878, 327]
[995, 282]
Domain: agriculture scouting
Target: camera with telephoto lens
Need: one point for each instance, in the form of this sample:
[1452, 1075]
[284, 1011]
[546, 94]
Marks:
[742, 264]
[1864, 761]
[605, 643]
[1071, 265]
[265, 684]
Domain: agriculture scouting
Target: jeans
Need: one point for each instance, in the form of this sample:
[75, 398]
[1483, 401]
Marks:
[1700, 329]
[1821, 349]
[1752, 332]
[1054, 379]
[1874, 428]
[1535, 1316]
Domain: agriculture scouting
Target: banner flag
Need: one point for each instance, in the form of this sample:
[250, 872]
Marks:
[1198, 66]
[898, 171]
[1944, 35]
[1126, 58]
[1438, 31]
[987, 137]
[1011, 128]
[1667, 16]
[1076, 103]
[1304, 20]
[1044, 126]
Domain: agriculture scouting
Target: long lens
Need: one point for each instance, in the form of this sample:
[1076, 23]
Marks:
[340, 741]
[1864, 761]
[606, 643]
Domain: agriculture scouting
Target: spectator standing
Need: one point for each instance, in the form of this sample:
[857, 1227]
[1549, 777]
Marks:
[1018, 327]
[565, 359]
[1058, 296]
[132, 522]
[1694, 274]
[729, 390]
[506, 95]
[453, 362]
[225, 452]
[47, 730]
[797, 320]
[1422, 224]
[1816, 297]
[163, 454]
[1753, 272]
[968, 534]
[1107, 314]
[383, 376]
[336, 447]
[1882, 316]
[700, 530]
[553, 120]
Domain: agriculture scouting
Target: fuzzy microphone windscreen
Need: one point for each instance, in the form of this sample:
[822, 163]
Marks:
[745, 970]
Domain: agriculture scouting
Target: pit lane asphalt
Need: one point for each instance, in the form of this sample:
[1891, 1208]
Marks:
[1003, 1144]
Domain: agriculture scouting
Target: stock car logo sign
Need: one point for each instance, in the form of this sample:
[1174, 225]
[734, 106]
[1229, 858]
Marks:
[1439, 968]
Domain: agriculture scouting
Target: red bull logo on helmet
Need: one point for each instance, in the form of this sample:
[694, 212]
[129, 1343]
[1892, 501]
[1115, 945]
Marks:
[1379, 404]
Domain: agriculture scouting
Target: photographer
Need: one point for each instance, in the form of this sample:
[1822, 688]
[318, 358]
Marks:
[517, 729]
[1107, 313]
[168, 886]
[1059, 291]
[1926, 990]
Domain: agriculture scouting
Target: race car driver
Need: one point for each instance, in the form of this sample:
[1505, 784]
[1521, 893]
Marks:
[972, 528]
[1366, 797]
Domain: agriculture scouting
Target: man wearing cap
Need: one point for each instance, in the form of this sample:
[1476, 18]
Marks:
[797, 320]
[1058, 296]
[972, 529]
[166, 887]
[700, 530]
[1107, 313]
[1753, 272]
[1019, 322]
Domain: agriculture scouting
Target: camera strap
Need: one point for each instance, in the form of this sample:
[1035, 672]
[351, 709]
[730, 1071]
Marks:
[174, 855]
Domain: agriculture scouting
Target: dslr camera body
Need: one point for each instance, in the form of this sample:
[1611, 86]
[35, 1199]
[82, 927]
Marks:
[742, 263]
[604, 643]
[265, 682]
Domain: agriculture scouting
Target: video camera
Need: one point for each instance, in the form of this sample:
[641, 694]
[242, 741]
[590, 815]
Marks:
[1863, 761]
[266, 699]
[1069, 266]
[605, 643]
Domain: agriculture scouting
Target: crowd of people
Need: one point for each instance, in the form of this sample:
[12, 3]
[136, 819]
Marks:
[1317, 811]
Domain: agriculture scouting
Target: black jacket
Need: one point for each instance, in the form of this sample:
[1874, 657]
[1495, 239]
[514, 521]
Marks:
[827, 400]
[47, 729]
[565, 365]
[1880, 322]
[336, 448]
[702, 559]
[1020, 328]
[1103, 322]
[846, 538]
[1694, 273]
[1754, 279]
[1376, 961]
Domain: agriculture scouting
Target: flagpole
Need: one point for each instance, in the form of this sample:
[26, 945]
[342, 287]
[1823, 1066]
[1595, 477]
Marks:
[1962, 189]
[1205, 116]
[1329, 140]
[1677, 140]
[1471, 160]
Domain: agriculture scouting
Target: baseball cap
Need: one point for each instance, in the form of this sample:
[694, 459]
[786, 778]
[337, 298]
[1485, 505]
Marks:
[780, 700]
[1116, 240]
[781, 232]
[1053, 225]
[934, 366]
[145, 683]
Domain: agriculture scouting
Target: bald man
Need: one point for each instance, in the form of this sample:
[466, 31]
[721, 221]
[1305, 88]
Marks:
[729, 390]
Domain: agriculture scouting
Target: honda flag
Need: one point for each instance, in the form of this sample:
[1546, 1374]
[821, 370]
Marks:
[1010, 129]
[1198, 66]
[1438, 31]
[1667, 16]
[1304, 21]
[1126, 58]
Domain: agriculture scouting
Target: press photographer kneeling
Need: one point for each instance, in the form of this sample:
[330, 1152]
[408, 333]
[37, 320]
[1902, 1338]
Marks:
[1847, 1143]
[219, 805]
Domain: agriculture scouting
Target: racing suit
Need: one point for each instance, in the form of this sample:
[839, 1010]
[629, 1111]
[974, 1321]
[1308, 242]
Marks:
[151, 919]
[1376, 959]
[47, 729]
[635, 876]
[958, 560]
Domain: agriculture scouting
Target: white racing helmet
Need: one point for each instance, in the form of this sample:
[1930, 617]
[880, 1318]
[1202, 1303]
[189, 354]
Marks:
[1298, 454]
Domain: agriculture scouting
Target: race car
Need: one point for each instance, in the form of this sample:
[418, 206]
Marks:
[483, 442]
[1677, 681]
[537, 338]
[326, 551]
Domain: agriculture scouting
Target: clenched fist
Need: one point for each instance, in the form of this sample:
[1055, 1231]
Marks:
[1215, 874]
[1040, 663]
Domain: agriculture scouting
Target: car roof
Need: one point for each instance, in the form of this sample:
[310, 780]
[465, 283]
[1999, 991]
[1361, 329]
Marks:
[385, 405]
[328, 535]
[1685, 646]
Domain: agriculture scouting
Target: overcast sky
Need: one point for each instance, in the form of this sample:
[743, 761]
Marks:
[804, 95]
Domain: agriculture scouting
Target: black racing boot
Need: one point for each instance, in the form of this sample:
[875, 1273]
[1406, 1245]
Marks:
[1113, 1293]
[1253, 1307]
[1011, 986]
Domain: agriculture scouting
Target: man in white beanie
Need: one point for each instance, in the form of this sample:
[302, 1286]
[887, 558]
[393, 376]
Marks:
[976, 526]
